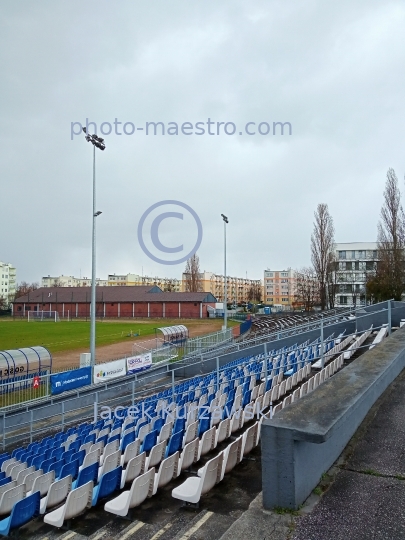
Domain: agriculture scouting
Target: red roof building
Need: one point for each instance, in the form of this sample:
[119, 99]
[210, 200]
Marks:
[115, 302]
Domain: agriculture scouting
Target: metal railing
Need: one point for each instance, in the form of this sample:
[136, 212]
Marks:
[199, 345]
[53, 413]
[72, 409]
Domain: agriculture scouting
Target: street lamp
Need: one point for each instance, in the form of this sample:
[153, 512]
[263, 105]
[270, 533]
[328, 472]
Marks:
[225, 282]
[97, 142]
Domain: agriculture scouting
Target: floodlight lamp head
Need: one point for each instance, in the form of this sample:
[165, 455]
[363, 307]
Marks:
[97, 213]
[225, 218]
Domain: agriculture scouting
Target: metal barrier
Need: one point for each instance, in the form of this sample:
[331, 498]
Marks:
[34, 419]
[198, 345]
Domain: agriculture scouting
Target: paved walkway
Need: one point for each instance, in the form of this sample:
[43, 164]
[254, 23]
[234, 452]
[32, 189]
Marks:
[363, 494]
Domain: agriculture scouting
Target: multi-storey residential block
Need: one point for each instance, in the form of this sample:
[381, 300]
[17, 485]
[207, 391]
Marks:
[355, 260]
[69, 281]
[7, 281]
[166, 284]
[279, 287]
[239, 290]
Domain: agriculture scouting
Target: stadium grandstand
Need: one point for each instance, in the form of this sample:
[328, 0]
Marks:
[184, 440]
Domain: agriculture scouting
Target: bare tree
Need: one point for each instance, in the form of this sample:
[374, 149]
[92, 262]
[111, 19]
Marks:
[389, 276]
[57, 283]
[332, 282]
[192, 274]
[322, 247]
[170, 285]
[254, 293]
[4, 305]
[25, 288]
[306, 288]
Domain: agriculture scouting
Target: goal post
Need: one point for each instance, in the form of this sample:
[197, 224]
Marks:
[43, 316]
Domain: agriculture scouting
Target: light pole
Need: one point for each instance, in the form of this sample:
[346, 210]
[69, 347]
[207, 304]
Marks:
[99, 143]
[225, 281]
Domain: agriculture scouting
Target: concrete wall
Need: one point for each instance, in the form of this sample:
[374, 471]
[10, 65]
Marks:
[305, 438]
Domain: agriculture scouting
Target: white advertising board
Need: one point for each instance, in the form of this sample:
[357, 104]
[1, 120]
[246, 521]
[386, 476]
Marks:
[139, 363]
[109, 370]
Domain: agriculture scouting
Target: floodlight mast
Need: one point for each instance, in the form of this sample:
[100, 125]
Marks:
[97, 142]
[225, 219]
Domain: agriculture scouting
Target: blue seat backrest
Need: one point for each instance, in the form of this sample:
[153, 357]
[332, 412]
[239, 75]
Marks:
[87, 474]
[70, 468]
[205, 424]
[103, 439]
[37, 460]
[57, 467]
[46, 464]
[179, 424]
[149, 441]
[114, 438]
[79, 456]
[127, 439]
[90, 438]
[5, 480]
[110, 482]
[66, 456]
[175, 443]
[25, 510]
[75, 445]
[57, 453]
[159, 424]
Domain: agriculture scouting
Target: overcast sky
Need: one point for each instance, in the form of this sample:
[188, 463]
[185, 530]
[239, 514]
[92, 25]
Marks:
[334, 70]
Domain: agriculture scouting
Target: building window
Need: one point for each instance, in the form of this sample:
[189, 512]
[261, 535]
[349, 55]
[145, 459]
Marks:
[353, 254]
[343, 300]
[342, 254]
[374, 254]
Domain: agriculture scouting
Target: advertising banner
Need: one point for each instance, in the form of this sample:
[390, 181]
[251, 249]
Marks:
[69, 380]
[139, 363]
[109, 370]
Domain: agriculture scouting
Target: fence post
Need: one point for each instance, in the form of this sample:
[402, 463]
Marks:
[265, 366]
[31, 420]
[389, 317]
[173, 384]
[217, 373]
[4, 431]
[63, 415]
[133, 391]
[322, 356]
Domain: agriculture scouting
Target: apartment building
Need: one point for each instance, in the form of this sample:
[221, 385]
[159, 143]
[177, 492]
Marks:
[355, 260]
[279, 287]
[238, 289]
[166, 284]
[8, 281]
[114, 280]
[69, 281]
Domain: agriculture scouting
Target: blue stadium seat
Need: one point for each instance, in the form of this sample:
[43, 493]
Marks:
[70, 468]
[57, 467]
[79, 456]
[23, 511]
[90, 438]
[85, 475]
[57, 453]
[109, 483]
[66, 456]
[149, 441]
[5, 480]
[46, 464]
[127, 439]
[175, 443]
